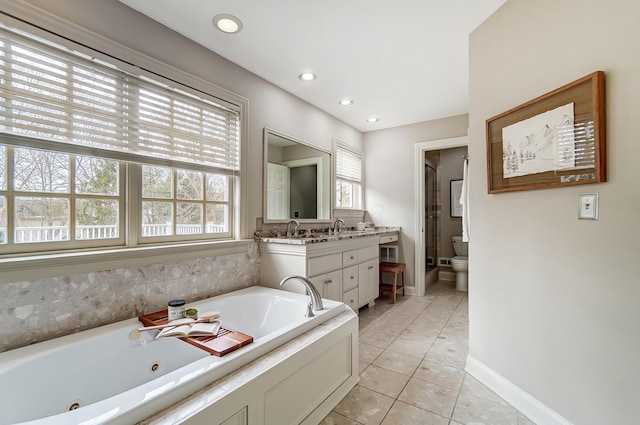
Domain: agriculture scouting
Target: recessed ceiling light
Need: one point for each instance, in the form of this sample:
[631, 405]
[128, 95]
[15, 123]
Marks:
[373, 119]
[307, 76]
[227, 23]
[346, 102]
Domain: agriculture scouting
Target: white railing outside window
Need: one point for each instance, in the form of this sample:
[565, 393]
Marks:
[96, 232]
[57, 233]
[42, 234]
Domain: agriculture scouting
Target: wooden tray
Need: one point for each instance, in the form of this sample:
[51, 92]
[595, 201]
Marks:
[226, 341]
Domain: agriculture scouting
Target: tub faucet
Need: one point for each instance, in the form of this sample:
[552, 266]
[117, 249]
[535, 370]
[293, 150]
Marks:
[290, 232]
[316, 299]
[336, 225]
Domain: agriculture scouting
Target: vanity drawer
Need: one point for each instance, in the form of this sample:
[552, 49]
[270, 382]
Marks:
[350, 278]
[349, 258]
[368, 253]
[388, 238]
[324, 264]
[350, 298]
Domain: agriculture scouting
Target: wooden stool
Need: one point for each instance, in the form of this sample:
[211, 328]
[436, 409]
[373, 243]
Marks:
[394, 287]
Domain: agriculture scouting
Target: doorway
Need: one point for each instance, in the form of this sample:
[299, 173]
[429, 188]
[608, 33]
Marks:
[420, 266]
[304, 192]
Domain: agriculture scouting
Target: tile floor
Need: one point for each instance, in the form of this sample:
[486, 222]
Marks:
[412, 357]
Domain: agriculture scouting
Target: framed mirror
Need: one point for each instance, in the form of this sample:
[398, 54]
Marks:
[297, 180]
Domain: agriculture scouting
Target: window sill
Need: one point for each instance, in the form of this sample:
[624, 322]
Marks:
[340, 211]
[15, 269]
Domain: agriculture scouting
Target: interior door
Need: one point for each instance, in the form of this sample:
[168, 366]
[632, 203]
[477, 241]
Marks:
[277, 191]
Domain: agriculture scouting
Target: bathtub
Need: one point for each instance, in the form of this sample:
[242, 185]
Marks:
[99, 376]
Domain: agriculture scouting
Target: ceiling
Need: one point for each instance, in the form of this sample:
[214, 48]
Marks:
[402, 61]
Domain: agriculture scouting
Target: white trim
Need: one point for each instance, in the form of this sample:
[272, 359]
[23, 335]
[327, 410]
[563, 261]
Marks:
[420, 149]
[16, 269]
[530, 406]
[349, 212]
[410, 290]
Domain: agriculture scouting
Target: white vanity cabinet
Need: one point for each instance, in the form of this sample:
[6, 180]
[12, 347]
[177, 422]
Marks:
[329, 285]
[350, 283]
[343, 270]
[369, 275]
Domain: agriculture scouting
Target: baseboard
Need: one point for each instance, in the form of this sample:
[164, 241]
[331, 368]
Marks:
[410, 290]
[531, 407]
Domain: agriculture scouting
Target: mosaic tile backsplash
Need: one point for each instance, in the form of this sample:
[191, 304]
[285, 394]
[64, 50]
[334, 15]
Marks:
[38, 310]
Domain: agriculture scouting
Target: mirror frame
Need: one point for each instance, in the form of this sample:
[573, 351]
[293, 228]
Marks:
[321, 183]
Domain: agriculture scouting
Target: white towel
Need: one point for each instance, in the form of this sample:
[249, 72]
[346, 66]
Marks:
[464, 201]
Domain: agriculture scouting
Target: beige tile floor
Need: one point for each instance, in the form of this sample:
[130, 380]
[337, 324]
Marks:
[412, 357]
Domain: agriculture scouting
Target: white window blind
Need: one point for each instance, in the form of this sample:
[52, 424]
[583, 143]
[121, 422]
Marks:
[348, 165]
[51, 95]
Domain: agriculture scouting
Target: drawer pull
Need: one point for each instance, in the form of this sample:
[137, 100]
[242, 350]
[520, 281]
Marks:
[328, 281]
[370, 267]
[353, 277]
[352, 257]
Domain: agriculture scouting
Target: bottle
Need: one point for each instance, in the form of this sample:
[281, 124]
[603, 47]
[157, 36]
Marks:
[176, 309]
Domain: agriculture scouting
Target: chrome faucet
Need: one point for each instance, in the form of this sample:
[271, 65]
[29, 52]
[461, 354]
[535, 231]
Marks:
[336, 225]
[293, 232]
[316, 299]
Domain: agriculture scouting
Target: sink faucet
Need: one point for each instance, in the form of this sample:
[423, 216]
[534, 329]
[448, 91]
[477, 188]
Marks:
[316, 299]
[293, 232]
[336, 225]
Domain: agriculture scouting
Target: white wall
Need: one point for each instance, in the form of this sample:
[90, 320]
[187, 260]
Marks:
[389, 176]
[555, 302]
[268, 105]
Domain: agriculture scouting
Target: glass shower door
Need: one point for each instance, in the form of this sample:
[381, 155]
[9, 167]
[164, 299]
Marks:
[431, 217]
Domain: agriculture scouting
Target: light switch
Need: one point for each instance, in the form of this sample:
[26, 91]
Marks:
[588, 206]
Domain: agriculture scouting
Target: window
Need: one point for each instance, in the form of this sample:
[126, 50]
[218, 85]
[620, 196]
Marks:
[79, 138]
[184, 202]
[348, 178]
[58, 198]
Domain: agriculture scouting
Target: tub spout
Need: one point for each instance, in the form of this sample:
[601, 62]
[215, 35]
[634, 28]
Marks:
[316, 299]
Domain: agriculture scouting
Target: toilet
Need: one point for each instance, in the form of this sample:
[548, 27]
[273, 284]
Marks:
[460, 263]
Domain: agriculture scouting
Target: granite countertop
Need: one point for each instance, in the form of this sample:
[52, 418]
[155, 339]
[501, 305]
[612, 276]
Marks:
[306, 238]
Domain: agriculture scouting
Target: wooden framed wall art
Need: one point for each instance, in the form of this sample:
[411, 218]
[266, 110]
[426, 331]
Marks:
[557, 139]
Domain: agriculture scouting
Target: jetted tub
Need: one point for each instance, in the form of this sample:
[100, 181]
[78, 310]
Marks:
[99, 376]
